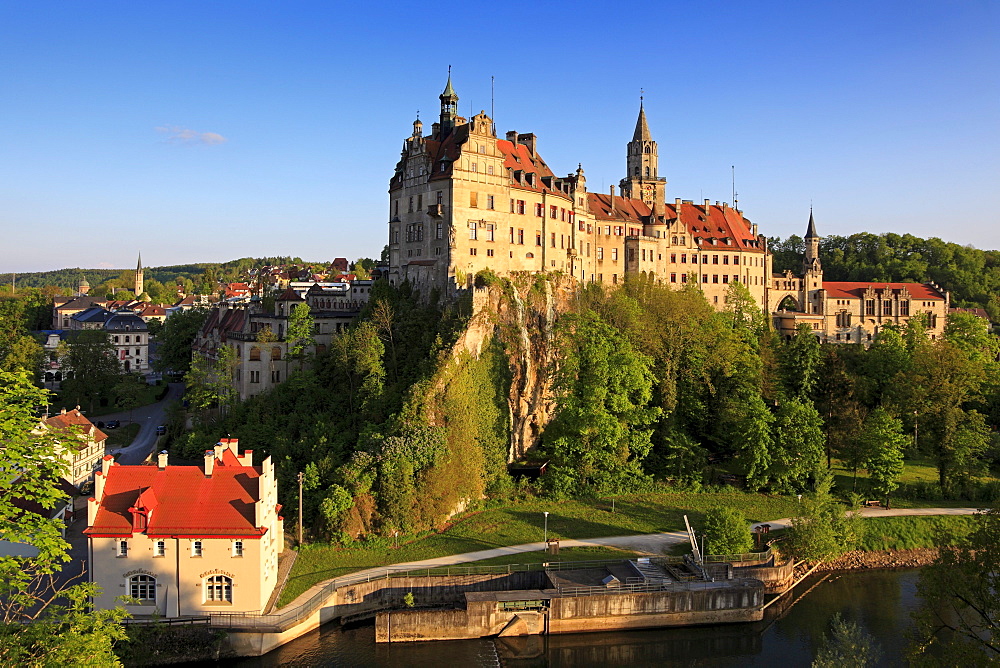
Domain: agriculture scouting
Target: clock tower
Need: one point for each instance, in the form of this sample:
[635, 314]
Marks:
[643, 182]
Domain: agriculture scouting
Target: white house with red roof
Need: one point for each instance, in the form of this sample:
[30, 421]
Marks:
[82, 443]
[186, 540]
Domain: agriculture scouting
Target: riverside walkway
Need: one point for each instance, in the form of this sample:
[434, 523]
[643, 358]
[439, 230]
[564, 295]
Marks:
[653, 543]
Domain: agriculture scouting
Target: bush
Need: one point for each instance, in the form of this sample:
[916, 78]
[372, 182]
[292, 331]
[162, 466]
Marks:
[727, 532]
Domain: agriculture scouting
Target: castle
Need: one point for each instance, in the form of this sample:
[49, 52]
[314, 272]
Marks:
[463, 200]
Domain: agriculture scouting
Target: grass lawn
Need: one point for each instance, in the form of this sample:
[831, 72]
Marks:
[907, 533]
[914, 470]
[523, 523]
[121, 437]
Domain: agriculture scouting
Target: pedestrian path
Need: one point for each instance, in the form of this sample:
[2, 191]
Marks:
[653, 543]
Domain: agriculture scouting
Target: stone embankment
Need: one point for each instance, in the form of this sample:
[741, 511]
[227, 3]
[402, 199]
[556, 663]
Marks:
[859, 561]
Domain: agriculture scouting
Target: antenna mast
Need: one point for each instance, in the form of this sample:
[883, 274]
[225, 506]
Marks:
[736, 202]
[493, 117]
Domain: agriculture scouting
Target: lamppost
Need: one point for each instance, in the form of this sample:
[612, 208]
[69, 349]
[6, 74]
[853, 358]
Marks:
[914, 433]
[546, 513]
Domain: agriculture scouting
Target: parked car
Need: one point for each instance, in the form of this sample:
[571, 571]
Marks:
[112, 424]
[161, 430]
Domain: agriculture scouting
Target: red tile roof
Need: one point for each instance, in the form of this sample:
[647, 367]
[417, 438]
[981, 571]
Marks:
[180, 500]
[517, 157]
[74, 419]
[856, 290]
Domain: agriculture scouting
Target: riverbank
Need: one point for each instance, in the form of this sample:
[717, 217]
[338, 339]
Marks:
[859, 560]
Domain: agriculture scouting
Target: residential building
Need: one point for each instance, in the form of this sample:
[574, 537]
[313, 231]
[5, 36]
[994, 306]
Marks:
[850, 312]
[82, 443]
[129, 335]
[186, 540]
[462, 200]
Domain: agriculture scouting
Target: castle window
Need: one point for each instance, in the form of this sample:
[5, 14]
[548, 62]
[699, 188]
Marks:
[472, 231]
[254, 354]
[520, 237]
[552, 240]
[704, 259]
[142, 588]
[673, 257]
[904, 307]
[440, 197]
[512, 235]
[275, 353]
[538, 209]
[490, 228]
[481, 148]
[489, 202]
[474, 199]
[538, 238]
[552, 211]
[489, 252]
[684, 258]
[647, 172]
[673, 240]
[725, 278]
[869, 307]
[128, 339]
[472, 251]
[715, 278]
[715, 259]
[684, 278]
[673, 278]
[588, 249]
[160, 548]
[237, 548]
[474, 167]
[255, 376]
[439, 230]
[725, 259]
[489, 169]
[736, 259]
[682, 241]
[600, 253]
[410, 210]
[196, 548]
[886, 308]
[520, 206]
[122, 550]
[704, 278]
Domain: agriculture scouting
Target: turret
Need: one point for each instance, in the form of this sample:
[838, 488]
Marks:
[449, 106]
[811, 263]
[642, 164]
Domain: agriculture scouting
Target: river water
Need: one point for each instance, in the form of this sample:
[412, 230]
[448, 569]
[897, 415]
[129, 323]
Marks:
[879, 601]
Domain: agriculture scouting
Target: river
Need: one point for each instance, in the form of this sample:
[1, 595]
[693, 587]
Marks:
[879, 601]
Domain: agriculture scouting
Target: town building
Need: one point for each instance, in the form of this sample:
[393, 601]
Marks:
[129, 335]
[259, 337]
[82, 444]
[186, 540]
[462, 200]
[850, 312]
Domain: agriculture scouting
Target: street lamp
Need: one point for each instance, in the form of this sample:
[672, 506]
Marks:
[546, 513]
[914, 433]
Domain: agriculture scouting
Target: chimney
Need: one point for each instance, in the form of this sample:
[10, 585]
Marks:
[63, 411]
[706, 206]
[209, 462]
[107, 463]
[219, 449]
[161, 460]
[612, 199]
[512, 136]
[677, 208]
[99, 479]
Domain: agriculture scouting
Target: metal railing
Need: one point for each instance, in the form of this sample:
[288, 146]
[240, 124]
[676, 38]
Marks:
[630, 588]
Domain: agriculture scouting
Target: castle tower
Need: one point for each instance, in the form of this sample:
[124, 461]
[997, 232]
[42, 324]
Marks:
[449, 107]
[138, 278]
[642, 180]
[811, 263]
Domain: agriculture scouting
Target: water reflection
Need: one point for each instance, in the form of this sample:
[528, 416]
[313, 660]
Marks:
[879, 601]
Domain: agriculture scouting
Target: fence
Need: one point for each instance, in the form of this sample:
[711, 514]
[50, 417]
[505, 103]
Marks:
[630, 588]
[290, 616]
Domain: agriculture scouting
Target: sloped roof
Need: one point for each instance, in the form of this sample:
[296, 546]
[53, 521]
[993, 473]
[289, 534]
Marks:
[181, 500]
[856, 290]
[75, 420]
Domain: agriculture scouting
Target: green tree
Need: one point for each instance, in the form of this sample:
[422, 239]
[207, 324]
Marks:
[748, 434]
[798, 448]
[91, 357]
[601, 430]
[60, 630]
[727, 531]
[300, 330]
[883, 441]
[128, 392]
[822, 532]
[175, 338]
[846, 646]
[959, 617]
[210, 381]
[801, 360]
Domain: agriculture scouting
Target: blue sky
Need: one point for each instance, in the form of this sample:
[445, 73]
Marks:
[207, 131]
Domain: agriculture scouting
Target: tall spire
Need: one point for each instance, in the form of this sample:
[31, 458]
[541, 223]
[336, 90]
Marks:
[811, 232]
[641, 128]
[139, 284]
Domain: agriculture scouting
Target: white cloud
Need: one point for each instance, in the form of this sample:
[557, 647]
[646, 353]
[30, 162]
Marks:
[178, 135]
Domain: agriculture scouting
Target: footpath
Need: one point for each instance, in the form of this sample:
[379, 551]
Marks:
[654, 543]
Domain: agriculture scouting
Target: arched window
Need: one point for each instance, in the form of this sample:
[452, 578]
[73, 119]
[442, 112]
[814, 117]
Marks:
[254, 354]
[646, 150]
[143, 589]
[219, 589]
[275, 354]
[674, 241]
[647, 172]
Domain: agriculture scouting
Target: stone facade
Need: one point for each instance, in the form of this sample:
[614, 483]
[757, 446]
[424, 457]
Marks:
[850, 312]
[463, 200]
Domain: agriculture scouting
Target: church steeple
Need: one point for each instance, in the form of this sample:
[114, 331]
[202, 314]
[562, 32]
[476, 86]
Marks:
[139, 287]
[449, 105]
[642, 180]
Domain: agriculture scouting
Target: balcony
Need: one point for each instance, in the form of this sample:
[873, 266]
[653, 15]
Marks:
[435, 209]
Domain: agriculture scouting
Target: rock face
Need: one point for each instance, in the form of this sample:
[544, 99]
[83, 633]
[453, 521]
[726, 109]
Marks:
[522, 313]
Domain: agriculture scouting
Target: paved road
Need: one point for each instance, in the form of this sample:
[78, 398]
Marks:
[148, 418]
[653, 544]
